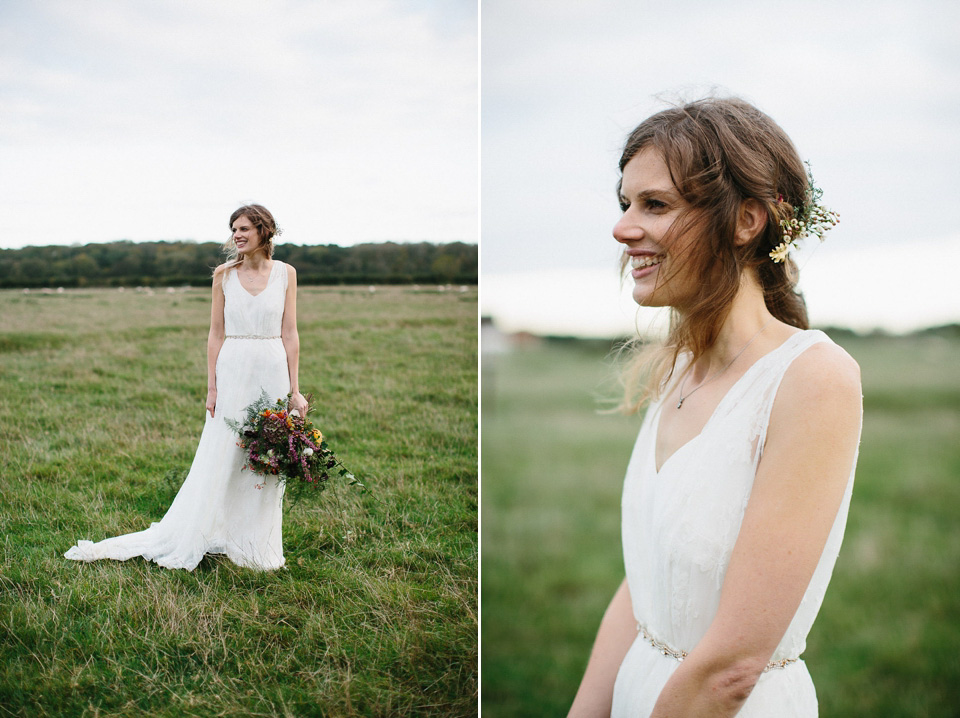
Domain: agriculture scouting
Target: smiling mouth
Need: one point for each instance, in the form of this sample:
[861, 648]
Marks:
[643, 262]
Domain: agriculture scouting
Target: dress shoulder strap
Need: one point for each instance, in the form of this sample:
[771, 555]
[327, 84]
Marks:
[769, 379]
[281, 269]
[228, 273]
[783, 356]
[745, 412]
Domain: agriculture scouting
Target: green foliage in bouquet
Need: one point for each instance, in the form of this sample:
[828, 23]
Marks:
[278, 441]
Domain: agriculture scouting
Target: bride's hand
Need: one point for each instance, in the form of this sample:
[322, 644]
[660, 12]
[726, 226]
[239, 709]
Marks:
[298, 402]
[211, 401]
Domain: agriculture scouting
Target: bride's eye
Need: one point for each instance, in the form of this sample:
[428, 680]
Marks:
[624, 205]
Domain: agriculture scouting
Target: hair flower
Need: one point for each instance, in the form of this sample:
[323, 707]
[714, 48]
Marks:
[780, 252]
[811, 218]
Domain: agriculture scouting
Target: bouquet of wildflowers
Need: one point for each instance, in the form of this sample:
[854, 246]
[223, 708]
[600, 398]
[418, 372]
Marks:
[279, 442]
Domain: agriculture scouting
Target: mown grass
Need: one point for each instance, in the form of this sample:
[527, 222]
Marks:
[886, 641]
[375, 614]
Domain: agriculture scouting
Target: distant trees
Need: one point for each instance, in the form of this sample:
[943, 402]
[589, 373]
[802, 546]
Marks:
[128, 263]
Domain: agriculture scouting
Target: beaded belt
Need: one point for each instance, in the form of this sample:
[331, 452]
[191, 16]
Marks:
[249, 336]
[668, 650]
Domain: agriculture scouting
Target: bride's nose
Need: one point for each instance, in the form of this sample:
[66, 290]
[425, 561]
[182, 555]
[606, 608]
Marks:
[627, 230]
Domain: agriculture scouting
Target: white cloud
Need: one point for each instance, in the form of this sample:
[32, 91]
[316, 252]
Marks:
[869, 92]
[359, 120]
[842, 287]
[563, 302]
[899, 291]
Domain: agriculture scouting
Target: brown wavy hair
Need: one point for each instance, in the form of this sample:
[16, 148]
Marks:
[719, 152]
[262, 221]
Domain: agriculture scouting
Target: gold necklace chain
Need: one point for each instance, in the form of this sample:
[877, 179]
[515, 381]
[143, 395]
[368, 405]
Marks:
[729, 364]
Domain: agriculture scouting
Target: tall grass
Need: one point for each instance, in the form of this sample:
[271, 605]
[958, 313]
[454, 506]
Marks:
[375, 614]
[886, 641]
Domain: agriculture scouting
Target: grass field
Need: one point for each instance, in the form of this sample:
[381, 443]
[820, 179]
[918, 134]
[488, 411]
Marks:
[101, 408]
[886, 641]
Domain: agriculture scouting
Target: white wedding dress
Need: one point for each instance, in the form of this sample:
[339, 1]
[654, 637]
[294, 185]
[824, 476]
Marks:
[679, 528]
[219, 508]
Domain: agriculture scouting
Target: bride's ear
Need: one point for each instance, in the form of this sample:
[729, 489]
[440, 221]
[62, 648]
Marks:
[751, 220]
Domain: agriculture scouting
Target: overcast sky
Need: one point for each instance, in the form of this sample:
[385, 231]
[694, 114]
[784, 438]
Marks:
[154, 119]
[868, 91]
[357, 121]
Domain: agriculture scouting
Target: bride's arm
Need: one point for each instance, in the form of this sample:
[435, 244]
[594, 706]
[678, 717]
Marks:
[618, 629]
[291, 341]
[799, 487]
[215, 338]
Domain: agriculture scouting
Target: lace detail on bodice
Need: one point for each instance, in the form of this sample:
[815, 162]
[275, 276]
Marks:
[245, 314]
[680, 524]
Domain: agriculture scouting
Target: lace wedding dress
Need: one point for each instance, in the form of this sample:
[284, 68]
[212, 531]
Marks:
[679, 528]
[219, 509]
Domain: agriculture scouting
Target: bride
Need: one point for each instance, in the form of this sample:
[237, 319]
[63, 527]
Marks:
[253, 346]
[736, 495]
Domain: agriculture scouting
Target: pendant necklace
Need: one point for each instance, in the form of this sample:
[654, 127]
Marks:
[729, 364]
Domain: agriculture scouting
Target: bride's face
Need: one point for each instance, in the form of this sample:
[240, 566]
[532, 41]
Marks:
[245, 236]
[651, 205]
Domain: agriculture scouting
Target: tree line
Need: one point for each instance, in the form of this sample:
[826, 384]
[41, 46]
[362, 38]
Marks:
[126, 263]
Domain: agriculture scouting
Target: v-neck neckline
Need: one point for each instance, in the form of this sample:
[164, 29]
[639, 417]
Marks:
[266, 286]
[716, 409]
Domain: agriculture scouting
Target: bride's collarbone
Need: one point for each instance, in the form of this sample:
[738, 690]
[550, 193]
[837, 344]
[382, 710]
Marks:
[254, 279]
[678, 426]
[684, 417]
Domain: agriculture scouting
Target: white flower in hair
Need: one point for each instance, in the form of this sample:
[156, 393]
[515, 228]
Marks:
[780, 252]
[812, 218]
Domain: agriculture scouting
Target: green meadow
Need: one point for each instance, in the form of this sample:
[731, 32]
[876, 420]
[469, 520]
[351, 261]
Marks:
[887, 638]
[375, 614]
